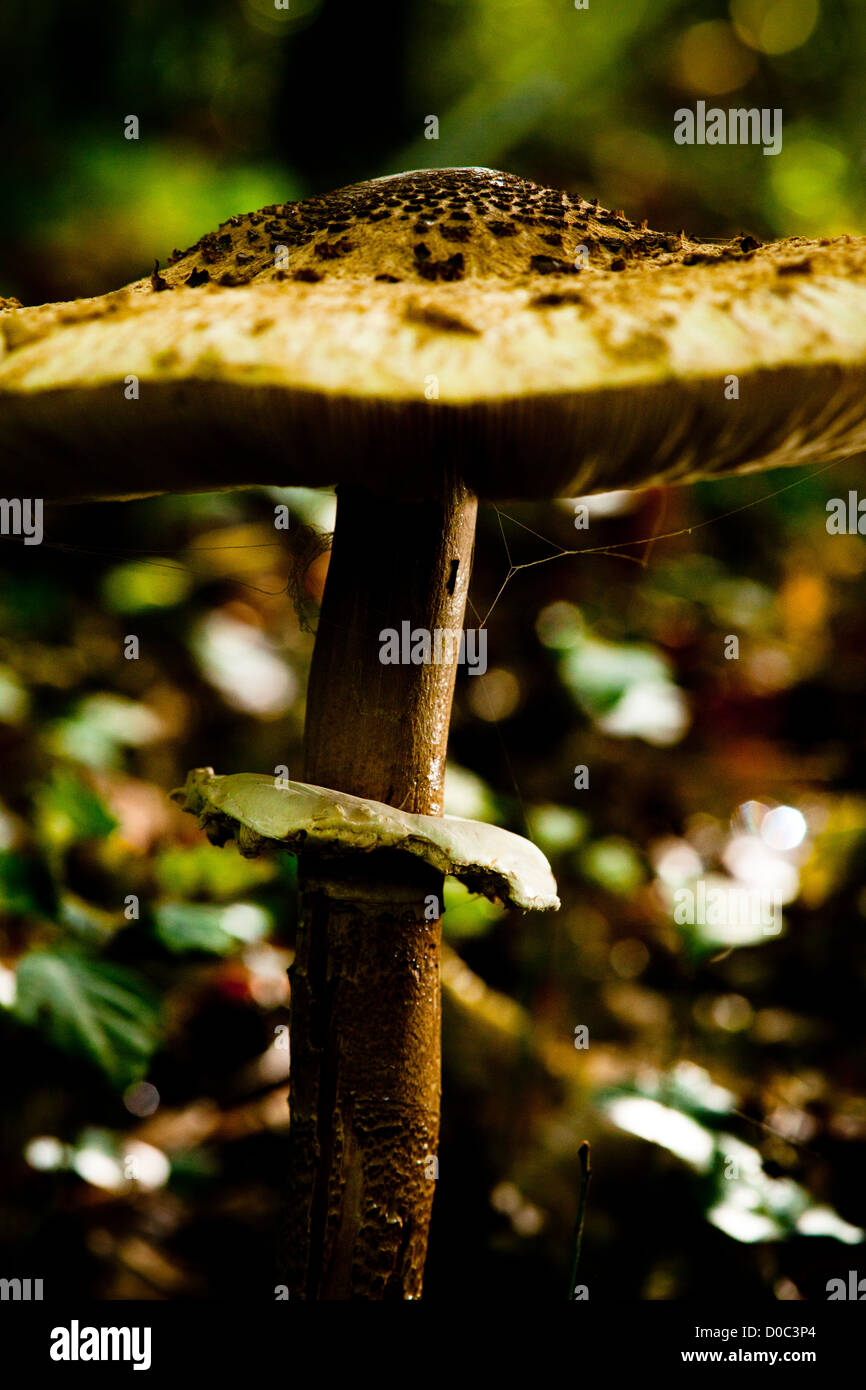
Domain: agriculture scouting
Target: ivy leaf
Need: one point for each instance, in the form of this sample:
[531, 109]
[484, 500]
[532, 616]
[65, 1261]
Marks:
[90, 1008]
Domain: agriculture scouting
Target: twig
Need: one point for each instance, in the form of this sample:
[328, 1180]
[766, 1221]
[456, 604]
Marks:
[585, 1175]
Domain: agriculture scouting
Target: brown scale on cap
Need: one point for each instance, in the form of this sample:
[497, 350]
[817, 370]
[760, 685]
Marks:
[503, 225]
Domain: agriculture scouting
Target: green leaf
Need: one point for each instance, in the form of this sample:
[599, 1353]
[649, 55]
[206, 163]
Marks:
[626, 689]
[600, 673]
[67, 811]
[140, 585]
[92, 925]
[207, 927]
[205, 870]
[466, 914]
[24, 887]
[90, 1008]
[100, 726]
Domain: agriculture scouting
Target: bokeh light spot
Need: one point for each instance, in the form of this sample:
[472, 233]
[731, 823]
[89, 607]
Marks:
[783, 828]
[45, 1153]
[774, 26]
[710, 58]
[629, 958]
[141, 1099]
[495, 695]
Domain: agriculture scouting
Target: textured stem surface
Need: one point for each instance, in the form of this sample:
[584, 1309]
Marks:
[365, 985]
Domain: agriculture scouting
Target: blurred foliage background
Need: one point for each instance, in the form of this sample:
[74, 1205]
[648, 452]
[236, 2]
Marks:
[143, 984]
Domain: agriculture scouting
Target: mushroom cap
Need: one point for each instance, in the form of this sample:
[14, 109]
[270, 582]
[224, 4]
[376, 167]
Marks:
[250, 808]
[454, 318]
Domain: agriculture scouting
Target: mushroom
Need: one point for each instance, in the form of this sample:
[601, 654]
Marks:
[420, 341]
[547, 346]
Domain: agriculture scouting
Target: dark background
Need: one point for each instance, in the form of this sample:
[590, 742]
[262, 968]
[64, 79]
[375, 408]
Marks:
[742, 1067]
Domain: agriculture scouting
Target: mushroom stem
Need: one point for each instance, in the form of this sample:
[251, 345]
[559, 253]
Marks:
[376, 729]
[365, 985]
